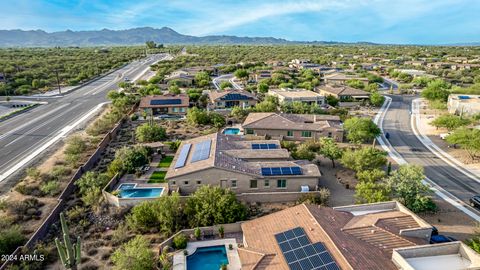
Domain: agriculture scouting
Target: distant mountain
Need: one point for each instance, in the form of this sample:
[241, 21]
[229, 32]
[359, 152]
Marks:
[134, 36]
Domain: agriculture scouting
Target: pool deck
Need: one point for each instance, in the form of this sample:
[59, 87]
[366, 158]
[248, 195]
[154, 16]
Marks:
[180, 260]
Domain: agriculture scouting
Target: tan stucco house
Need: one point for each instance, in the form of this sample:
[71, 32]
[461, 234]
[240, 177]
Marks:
[244, 166]
[294, 127]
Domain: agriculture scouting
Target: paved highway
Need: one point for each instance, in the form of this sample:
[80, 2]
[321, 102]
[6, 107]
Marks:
[25, 136]
[402, 138]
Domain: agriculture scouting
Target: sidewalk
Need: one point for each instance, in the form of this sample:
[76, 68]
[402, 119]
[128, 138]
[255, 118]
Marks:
[425, 130]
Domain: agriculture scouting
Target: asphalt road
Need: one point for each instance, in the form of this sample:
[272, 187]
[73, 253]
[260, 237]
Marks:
[402, 138]
[22, 136]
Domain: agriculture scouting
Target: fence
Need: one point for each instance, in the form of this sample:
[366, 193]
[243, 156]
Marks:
[53, 217]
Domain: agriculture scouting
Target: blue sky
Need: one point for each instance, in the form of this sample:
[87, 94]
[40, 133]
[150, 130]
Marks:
[383, 21]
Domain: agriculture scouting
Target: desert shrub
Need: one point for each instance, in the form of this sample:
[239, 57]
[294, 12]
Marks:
[180, 241]
[320, 198]
[51, 188]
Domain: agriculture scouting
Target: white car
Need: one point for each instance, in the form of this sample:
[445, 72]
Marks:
[444, 135]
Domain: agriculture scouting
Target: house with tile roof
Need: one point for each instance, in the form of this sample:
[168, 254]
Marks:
[379, 236]
[343, 92]
[227, 99]
[244, 166]
[294, 127]
[297, 95]
[342, 78]
[165, 104]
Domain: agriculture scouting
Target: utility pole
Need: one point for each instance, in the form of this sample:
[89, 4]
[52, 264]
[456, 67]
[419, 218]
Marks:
[58, 81]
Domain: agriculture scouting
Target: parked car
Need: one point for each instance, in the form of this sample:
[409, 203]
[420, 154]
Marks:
[475, 201]
[437, 239]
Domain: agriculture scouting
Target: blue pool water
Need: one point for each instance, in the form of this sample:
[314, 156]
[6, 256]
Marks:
[141, 192]
[231, 131]
[207, 258]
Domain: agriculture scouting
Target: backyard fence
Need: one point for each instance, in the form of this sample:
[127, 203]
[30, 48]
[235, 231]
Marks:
[54, 215]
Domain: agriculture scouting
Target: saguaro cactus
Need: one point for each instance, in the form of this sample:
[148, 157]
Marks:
[70, 254]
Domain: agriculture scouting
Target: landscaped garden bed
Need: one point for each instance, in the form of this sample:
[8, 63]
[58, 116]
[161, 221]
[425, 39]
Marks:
[157, 177]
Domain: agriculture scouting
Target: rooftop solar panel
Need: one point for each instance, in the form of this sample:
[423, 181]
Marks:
[281, 171]
[201, 151]
[301, 254]
[264, 146]
[235, 97]
[165, 101]
[182, 157]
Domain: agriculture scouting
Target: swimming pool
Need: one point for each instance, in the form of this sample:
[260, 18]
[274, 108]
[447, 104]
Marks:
[207, 258]
[141, 192]
[126, 186]
[231, 131]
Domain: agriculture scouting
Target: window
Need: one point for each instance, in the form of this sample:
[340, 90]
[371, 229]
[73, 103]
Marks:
[175, 109]
[290, 133]
[199, 182]
[329, 134]
[249, 131]
[253, 184]
[233, 184]
[306, 134]
[266, 183]
[185, 183]
[182, 109]
[281, 183]
[173, 182]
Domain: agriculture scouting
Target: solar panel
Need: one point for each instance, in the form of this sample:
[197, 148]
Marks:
[165, 101]
[201, 151]
[235, 97]
[301, 254]
[281, 171]
[182, 157]
[264, 146]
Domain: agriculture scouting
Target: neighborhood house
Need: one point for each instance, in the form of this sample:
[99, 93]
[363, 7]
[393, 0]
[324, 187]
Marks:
[299, 95]
[165, 104]
[228, 99]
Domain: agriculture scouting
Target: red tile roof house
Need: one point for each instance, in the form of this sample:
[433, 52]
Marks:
[165, 104]
[379, 236]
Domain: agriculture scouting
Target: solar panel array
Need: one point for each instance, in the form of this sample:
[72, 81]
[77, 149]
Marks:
[165, 101]
[201, 151]
[301, 254]
[264, 146]
[281, 171]
[235, 97]
[182, 157]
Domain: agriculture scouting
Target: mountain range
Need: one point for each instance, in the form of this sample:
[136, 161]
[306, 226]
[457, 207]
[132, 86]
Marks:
[134, 36]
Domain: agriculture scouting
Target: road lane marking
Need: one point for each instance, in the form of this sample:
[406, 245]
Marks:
[438, 190]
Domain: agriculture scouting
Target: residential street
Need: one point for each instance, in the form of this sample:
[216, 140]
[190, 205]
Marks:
[25, 136]
[404, 141]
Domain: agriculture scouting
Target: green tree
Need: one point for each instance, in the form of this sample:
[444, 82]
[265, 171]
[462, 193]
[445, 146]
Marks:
[128, 159]
[436, 90]
[213, 205]
[150, 133]
[450, 122]
[366, 158]
[238, 112]
[468, 139]
[376, 99]
[373, 176]
[330, 150]
[164, 214]
[225, 84]
[371, 192]
[202, 79]
[356, 84]
[136, 254]
[151, 44]
[361, 130]
[332, 101]
[304, 152]
[196, 116]
[406, 185]
[216, 119]
[241, 74]
[262, 88]
[174, 89]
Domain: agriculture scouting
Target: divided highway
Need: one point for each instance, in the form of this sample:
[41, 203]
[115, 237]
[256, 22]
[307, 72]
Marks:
[25, 136]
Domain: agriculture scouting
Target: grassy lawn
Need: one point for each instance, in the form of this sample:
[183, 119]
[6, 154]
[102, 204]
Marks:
[165, 162]
[157, 177]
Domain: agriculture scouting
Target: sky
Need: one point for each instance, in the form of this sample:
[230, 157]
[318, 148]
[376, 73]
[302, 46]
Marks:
[381, 21]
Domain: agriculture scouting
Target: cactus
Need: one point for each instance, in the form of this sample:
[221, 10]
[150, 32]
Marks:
[70, 254]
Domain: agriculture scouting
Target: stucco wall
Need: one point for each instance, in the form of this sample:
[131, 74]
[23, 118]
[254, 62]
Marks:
[214, 176]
